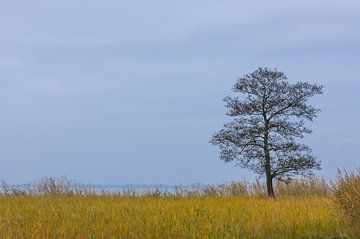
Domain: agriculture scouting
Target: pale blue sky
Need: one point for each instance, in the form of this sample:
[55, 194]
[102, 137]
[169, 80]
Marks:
[120, 92]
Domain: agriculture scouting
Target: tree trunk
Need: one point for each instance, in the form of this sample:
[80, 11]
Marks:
[269, 186]
[269, 178]
[267, 164]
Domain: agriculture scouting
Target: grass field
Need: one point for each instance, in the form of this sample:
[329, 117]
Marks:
[169, 217]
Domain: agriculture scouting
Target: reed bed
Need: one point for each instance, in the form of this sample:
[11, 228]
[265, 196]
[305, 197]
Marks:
[65, 187]
[59, 208]
[347, 198]
[168, 217]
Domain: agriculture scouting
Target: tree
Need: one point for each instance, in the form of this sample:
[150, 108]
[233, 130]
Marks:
[269, 117]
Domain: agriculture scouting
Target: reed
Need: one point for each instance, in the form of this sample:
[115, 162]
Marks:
[60, 208]
[95, 216]
[65, 187]
[347, 197]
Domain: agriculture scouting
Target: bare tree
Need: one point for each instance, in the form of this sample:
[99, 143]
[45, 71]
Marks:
[268, 118]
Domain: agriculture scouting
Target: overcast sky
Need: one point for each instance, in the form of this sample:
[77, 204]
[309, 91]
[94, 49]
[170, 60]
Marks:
[112, 91]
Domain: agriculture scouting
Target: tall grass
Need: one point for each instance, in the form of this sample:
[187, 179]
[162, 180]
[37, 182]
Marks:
[47, 186]
[347, 197]
[65, 187]
[304, 187]
[147, 217]
[60, 208]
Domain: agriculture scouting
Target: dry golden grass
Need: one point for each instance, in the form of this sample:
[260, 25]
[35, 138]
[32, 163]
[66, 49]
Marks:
[169, 217]
[347, 197]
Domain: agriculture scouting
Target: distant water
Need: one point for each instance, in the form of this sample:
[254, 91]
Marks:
[140, 187]
[113, 188]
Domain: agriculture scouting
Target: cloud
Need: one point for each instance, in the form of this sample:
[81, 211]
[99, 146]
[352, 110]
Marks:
[96, 81]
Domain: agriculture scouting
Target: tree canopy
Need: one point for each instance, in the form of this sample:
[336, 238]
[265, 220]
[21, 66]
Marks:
[269, 117]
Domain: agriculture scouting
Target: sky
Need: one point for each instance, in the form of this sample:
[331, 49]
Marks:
[111, 91]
